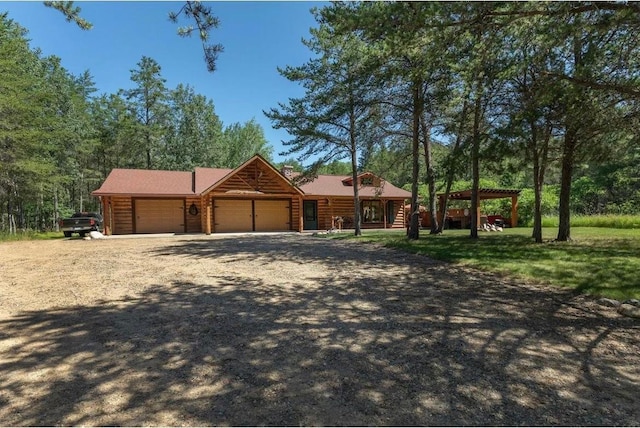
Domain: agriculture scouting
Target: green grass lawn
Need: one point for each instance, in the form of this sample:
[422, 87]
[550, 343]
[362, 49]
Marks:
[599, 261]
[30, 235]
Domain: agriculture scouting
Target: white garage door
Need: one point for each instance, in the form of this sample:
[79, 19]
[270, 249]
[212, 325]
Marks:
[271, 216]
[233, 215]
[159, 215]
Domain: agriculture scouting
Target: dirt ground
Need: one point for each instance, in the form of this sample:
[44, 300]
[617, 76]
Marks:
[297, 330]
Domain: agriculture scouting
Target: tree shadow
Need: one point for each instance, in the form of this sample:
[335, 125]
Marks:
[376, 337]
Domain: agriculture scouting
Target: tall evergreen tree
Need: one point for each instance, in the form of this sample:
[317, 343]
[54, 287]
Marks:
[115, 130]
[148, 100]
[193, 135]
[332, 120]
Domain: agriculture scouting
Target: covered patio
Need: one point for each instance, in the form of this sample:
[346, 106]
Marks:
[483, 194]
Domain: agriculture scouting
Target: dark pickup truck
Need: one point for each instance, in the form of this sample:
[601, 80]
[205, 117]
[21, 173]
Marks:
[81, 223]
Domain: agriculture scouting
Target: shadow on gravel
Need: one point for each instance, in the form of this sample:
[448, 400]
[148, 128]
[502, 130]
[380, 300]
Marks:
[423, 344]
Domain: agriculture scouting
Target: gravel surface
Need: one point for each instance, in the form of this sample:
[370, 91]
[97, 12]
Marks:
[297, 330]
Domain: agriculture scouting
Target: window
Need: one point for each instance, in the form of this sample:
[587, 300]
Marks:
[371, 211]
[366, 181]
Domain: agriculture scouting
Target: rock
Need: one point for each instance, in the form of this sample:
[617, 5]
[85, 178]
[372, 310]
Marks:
[612, 303]
[632, 302]
[629, 310]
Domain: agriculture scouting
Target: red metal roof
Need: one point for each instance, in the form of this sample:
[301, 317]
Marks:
[143, 182]
[337, 185]
[139, 182]
[206, 177]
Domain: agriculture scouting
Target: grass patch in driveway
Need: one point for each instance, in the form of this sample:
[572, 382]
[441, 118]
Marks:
[599, 261]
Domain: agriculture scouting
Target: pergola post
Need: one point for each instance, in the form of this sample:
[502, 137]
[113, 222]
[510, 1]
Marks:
[514, 211]
[478, 212]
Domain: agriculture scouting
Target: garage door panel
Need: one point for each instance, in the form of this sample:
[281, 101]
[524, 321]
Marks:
[233, 215]
[237, 215]
[159, 215]
[272, 215]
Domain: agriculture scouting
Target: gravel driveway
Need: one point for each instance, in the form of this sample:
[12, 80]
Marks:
[297, 330]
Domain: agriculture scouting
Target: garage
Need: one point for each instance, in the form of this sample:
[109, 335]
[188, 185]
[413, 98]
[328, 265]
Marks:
[159, 215]
[271, 215]
[233, 215]
[238, 215]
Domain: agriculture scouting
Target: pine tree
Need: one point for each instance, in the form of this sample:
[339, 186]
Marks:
[148, 102]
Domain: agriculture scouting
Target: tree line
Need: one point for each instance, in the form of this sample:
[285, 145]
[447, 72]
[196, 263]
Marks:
[59, 139]
[432, 96]
[544, 94]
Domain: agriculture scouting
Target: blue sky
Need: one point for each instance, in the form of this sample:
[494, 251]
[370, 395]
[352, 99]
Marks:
[257, 37]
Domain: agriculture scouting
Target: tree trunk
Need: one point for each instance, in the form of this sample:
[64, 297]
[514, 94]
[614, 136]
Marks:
[414, 225]
[564, 229]
[475, 161]
[568, 149]
[56, 209]
[41, 220]
[22, 219]
[354, 171]
[540, 156]
[451, 172]
[478, 117]
[81, 191]
[431, 179]
[537, 184]
[537, 203]
[148, 156]
[10, 219]
[356, 197]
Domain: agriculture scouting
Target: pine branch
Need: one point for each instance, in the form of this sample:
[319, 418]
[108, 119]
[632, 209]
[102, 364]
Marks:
[70, 12]
[625, 89]
[205, 22]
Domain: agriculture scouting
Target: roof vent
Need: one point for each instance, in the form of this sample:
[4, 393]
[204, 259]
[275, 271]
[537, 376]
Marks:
[287, 171]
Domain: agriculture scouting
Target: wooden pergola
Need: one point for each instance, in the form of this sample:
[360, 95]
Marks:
[485, 193]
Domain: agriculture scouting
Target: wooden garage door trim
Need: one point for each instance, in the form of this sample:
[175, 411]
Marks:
[133, 210]
[214, 221]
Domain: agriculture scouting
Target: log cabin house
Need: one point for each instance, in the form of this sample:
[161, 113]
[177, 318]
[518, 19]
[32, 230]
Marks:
[254, 197]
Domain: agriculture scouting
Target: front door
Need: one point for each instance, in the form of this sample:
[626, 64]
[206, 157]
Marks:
[310, 209]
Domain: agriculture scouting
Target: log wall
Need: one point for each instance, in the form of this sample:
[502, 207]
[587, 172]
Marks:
[193, 222]
[343, 207]
[295, 214]
[255, 177]
[122, 210]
